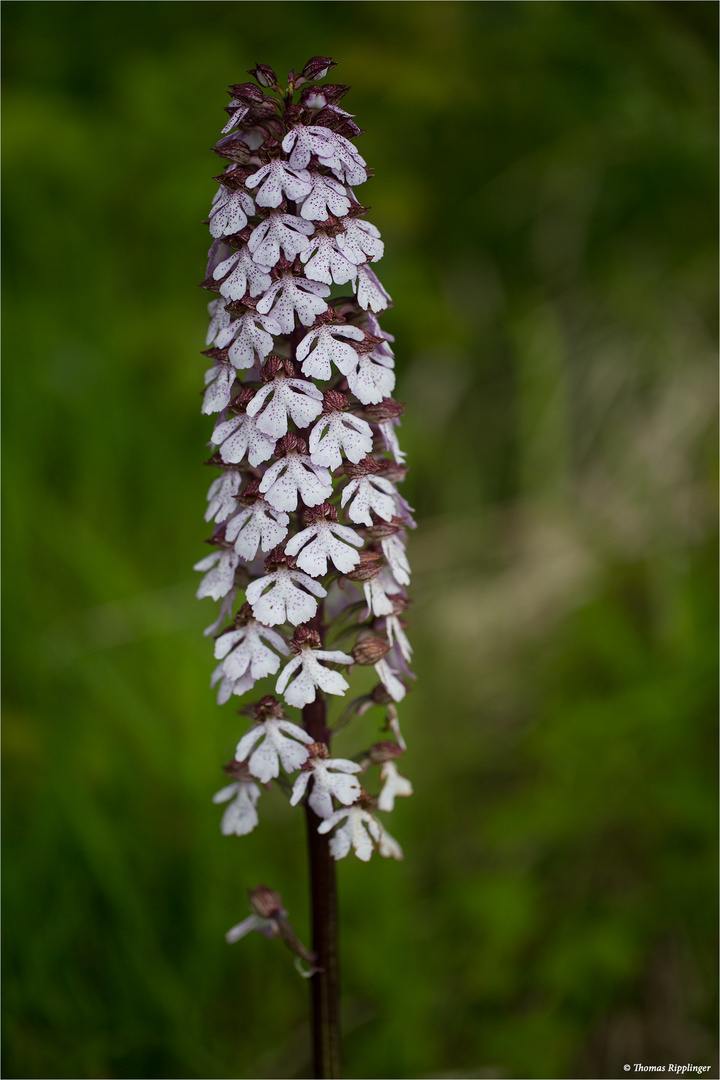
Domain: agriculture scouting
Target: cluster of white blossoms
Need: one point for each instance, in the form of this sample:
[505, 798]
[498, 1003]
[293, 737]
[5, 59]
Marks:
[309, 526]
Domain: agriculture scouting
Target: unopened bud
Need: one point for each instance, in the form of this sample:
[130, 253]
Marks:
[367, 568]
[265, 902]
[387, 750]
[370, 649]
[264, 75]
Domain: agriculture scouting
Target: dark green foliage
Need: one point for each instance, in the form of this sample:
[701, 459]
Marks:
[545, 190]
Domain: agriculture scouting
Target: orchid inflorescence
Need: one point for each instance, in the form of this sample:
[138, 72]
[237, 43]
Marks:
[310, 529]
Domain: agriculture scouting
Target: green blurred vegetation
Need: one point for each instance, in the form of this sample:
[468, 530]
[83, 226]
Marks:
[546, 191]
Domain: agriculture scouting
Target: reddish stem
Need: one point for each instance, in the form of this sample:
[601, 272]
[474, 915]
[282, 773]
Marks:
[324, 984]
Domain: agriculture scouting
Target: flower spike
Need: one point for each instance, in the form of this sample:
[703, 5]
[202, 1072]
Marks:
[310, 527]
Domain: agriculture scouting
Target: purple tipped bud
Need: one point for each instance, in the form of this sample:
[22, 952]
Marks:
[264, 75]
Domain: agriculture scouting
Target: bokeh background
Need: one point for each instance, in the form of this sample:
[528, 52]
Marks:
[545, 185]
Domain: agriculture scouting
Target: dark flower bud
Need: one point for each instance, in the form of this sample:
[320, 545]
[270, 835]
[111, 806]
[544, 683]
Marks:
[323, 510]
[237, 770]
[247, 93]
[333, 400]
[387, 409]
[315, 750]
[367, 568]
[316, 68]
[370, 649]
[304, 636]
[264, 75]
[265, 902]
[366, 467]
[380, 752]
[382, 529]
[289, 442]
[268, 708]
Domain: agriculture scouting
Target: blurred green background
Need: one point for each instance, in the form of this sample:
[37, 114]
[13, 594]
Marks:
[545, 185]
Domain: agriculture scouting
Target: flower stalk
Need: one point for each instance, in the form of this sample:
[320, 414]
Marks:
[310, 528]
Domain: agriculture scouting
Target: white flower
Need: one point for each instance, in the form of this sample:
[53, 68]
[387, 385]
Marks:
[249, 336]
[221, 576]
[312, 675]
[325, 262]
[276, 598]
[257, 525]
[306, 141]
[314, 555]
[219, 382]
[223, 614]
[244, 650]
[378, 591]
[372, 379]
[387, 430]
[326, 195]
[219, 320]
[301, 399]
[246, 274]
[333, 151]
[293, 474]
[389, 678]
[290, 295]
[388, 846]
[344, 160]
[370, 293]
[370, 493]
[360, 242]
[221, 496]
[280, 177]
[359, 830]
[239, 436]
[267, 927]
[329, 777]
[395, 633]
[336, 433]
[394, 551]
[279, 231]
[395, 785]
[229, 686]
[316, 363]
[240, 816]
[235, 117]
[229, 213]
[275, 747]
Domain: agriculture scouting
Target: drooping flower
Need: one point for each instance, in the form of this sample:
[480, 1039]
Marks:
[240, 816]
[394, 785]
[359, 830]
